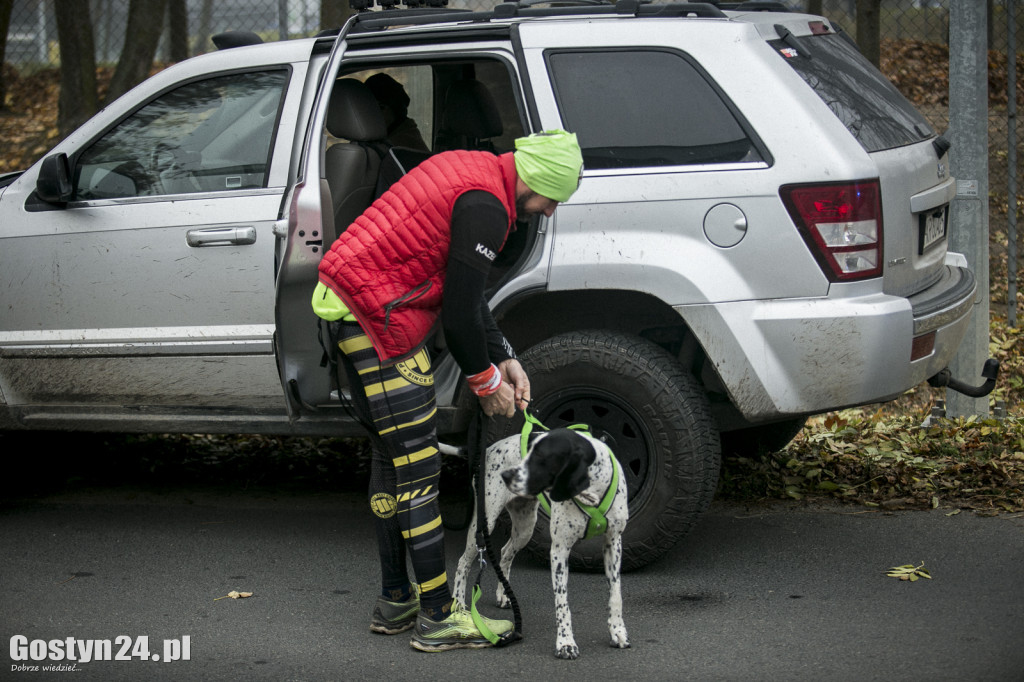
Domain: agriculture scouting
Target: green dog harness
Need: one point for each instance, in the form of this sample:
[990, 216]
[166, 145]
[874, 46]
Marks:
[598, 523]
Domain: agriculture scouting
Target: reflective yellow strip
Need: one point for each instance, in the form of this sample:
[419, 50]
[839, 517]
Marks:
[415, 456]
[356, 343]
[378, 388]
[405, 497]
[414, 422]
[418, 481]
[425, 528]
[434, 584]
[412, 410]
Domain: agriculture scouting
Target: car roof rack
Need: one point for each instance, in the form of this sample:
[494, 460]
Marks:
[367, 20]
[752, 5]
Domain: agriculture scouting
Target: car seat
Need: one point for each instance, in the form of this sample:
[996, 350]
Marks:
[353, 164]
[470, 117]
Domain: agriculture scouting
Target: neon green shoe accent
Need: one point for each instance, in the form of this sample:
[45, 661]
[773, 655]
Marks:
[457, 631]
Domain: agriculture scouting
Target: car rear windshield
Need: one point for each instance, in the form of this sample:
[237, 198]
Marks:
[870, 107]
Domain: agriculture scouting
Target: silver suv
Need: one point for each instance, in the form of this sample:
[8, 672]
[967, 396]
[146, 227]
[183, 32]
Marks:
[760, 235]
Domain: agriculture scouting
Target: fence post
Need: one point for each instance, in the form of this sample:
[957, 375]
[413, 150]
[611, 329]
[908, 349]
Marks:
[869, 29]
[968, 121]
[1011, 131]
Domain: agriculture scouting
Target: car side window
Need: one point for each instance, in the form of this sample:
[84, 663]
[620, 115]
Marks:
[636, 108]
[432, 107]
[205, 136]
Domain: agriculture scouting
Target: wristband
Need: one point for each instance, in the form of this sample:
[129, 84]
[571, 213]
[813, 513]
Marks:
[486, 382]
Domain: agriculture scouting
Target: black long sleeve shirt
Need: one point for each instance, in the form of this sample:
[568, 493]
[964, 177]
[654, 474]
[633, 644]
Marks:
[479, 224]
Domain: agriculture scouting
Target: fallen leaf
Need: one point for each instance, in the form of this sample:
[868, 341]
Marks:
[235, 595]
[909, 572]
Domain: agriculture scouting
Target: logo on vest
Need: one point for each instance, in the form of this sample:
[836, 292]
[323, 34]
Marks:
[485, 252]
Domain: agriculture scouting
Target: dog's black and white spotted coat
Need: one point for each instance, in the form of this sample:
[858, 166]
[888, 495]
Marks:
[564, 464]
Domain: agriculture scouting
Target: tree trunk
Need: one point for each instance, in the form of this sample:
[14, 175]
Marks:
[869, 29]
[203, 44]
[177, 24]
[145, 24]
[814, 7]
[78, 100]
[333, 13]
[5, 21]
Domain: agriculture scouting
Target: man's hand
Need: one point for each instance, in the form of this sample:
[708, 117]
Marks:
[502, 402]
[513, 393]
[512, 373]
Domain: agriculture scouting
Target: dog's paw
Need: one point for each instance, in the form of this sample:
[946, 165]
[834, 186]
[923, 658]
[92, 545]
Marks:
[501, 599]
[619, 638]
[569, 652]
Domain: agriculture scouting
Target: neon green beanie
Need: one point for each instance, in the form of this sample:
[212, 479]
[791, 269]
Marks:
[550, 163]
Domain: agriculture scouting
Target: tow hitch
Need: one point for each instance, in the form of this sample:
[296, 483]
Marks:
[990, 371]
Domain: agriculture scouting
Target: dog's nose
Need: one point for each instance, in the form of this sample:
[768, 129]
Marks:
[508, 475]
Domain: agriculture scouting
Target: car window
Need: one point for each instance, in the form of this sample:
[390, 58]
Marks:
[206, 136]
[646, 107]
[860, 96]
[406, 96]
[451, 104]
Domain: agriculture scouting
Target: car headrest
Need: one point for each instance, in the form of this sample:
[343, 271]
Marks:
[354, 114]
[469, 110]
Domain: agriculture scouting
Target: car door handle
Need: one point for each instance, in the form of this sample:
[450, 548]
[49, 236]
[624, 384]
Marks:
[222, 236]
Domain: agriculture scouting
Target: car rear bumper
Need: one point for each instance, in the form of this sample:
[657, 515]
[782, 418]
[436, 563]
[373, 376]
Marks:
[950, 299]
[778, 358]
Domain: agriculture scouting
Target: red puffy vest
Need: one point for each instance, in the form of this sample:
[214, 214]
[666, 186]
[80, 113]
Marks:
[389, 266]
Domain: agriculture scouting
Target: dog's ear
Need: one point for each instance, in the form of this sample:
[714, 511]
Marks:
[572, 479]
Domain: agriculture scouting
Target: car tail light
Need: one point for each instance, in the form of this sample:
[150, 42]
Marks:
[842, 225]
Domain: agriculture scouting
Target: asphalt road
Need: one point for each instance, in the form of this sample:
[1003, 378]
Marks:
[780, 593]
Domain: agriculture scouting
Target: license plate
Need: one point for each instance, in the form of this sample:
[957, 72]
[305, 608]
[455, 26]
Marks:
[933, 228]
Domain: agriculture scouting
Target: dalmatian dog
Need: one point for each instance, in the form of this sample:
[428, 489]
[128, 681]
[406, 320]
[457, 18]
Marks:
[564, 464]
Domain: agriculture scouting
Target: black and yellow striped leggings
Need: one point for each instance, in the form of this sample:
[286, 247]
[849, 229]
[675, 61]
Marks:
[397, 405]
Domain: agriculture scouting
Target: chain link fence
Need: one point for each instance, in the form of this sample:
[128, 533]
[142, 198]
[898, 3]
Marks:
[914, 38]
[32, 35]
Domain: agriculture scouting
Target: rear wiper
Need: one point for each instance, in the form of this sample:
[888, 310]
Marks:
[786, 36]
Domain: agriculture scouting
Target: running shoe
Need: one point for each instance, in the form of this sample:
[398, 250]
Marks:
[457, 631]
[391, 617]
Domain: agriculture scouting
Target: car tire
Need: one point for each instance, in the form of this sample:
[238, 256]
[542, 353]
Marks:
[654, 416]
[755, 441]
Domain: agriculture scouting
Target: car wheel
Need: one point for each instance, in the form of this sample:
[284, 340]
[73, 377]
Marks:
[635, 396]
[755, 441]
